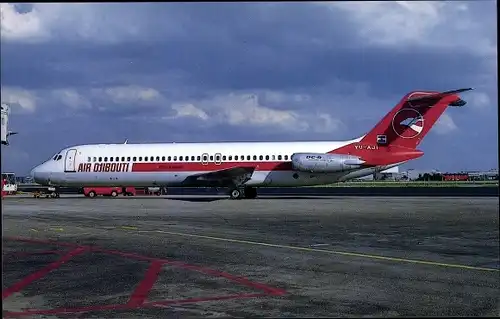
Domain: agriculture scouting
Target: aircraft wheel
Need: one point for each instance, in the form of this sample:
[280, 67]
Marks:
[92, 194]
[235, 193]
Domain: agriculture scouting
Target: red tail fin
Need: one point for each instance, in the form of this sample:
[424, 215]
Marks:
[396, 136]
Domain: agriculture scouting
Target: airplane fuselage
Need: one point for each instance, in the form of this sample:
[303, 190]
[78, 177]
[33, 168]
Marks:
[172, 164]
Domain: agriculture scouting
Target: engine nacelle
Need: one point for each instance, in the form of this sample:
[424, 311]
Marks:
[325, 163]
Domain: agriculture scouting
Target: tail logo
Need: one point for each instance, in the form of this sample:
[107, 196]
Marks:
[408, 123]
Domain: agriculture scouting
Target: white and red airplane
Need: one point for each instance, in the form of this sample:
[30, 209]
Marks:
[243, 166]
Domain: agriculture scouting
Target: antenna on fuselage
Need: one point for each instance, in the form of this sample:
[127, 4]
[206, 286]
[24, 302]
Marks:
[126, 141]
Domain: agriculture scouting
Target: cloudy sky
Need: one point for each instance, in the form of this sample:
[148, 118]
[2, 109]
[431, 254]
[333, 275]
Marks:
[152, 72]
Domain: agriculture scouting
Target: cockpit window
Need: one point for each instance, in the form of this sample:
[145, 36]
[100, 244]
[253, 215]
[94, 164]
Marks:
[59, 157]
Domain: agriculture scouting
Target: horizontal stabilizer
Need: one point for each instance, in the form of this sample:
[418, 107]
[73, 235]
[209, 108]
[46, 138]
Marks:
[436, 95]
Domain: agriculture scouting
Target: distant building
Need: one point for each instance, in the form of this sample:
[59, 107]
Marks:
[492, 174]
[455, 177]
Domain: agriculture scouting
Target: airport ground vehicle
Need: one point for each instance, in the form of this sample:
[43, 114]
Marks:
[108, 191]
[50, 193]
[9, 184]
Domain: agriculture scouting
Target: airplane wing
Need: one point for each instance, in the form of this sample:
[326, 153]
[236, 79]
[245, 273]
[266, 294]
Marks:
[223, 177]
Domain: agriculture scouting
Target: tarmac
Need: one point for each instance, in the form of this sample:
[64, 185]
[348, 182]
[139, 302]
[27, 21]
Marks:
[199, 256]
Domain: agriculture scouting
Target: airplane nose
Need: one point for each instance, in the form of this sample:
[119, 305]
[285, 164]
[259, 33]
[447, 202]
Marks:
[38, 176]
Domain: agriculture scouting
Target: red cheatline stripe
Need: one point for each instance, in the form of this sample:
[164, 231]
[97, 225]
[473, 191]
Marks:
[41, 273]
[141, 292]
[199, 167]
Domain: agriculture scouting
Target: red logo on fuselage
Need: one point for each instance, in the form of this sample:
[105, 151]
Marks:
[408, 123]
[104, 167]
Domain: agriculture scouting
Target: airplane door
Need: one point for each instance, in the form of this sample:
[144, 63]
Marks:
[69, 161]
[204, 159]
[217, 159]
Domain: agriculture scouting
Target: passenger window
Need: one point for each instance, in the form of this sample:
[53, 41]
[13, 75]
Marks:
[230, 157]
[123, 159]
[273, 157]
[89, 159]
[128, 159]
[205, 158]
[175, 158]
[180, 158]
[248, 157]
[267, 157]
[211, 157]
[106, 159]
[95, 159]
[286, 157]
[279, 157]
[117, 159]
[169, 158]
[100, 159]
[134, 158]
[163, 158]
[223, 157]
[255, 157]
[140, 158]
[151, 159]
[261, 157]
[236, 157]
[198, 158]
[192, 158]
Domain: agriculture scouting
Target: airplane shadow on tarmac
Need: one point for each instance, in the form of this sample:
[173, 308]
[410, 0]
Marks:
[213, 199]
[197, 199]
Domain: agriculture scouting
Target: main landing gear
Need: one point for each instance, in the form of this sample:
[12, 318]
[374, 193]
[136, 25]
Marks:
[240, 193]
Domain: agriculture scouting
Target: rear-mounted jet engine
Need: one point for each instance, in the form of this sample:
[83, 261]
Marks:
[325, 163]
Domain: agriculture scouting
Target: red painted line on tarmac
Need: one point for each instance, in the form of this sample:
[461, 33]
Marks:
[137, 299]
[141, 292]
[40, 274]
[240, 280]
